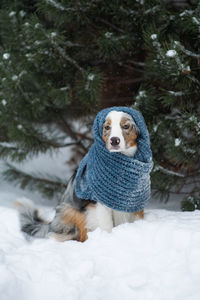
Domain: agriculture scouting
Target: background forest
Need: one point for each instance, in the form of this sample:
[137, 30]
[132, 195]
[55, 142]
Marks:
[63, 61]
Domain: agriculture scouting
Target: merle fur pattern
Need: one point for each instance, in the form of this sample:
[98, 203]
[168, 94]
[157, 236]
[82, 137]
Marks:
[33, 225]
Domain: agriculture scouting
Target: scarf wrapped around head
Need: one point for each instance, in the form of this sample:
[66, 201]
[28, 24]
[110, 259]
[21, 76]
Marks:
[112, 178]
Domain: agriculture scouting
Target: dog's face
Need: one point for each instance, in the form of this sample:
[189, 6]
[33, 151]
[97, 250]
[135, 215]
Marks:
[120, 133]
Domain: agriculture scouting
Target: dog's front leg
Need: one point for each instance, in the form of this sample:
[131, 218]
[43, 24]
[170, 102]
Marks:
[98, 215]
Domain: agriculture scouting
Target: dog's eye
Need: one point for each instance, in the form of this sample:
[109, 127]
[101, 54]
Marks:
[126, 126]
[107, 127]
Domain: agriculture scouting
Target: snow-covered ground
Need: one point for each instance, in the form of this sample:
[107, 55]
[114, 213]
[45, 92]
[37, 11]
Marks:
[156, 258]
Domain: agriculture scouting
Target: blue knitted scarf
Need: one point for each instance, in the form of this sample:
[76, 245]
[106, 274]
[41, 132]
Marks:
[112, 178]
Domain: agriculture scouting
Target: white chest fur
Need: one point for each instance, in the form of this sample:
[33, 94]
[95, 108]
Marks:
[100, 216]
[122, 217]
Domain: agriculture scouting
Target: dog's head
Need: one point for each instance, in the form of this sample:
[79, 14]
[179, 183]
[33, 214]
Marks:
[120, 133]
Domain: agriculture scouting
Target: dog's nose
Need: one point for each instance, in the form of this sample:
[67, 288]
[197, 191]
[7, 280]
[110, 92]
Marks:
[114, 141]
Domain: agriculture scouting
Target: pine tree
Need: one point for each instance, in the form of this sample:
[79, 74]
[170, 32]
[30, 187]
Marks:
[170, 103]
[62, 60]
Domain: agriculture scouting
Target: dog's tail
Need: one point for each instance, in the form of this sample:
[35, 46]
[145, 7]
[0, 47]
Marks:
[68, 223]
[30, 221]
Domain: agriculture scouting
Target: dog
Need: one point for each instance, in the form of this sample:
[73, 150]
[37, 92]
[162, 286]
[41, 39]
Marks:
[75, 217]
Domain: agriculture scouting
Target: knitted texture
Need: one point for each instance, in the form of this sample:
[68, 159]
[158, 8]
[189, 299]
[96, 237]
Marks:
[112, 178]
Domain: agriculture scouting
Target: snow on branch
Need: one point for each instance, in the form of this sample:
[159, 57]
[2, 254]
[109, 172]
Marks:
[187, 52]
[168, 172]
[57, 5]
[67, 57]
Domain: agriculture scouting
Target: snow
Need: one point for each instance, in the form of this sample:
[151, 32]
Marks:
[180, 93]
[55, 4]
[6, 56]
[196, 122]
[12, 13]
[171, 53]
[64, 88]
[37, 42]
[91, 77]
[177, 142]
[53, 34]
[155, 258]
[168, 172]
[108, 35]
[22, 73]
[4, 102]
[141, 94]
[188, 69]
[195, 21]
[22, 13]
[155, 127]
[14, 77]
[154, 36]
[19, 126]
[187, 52]
[186, 12]
[140, 1]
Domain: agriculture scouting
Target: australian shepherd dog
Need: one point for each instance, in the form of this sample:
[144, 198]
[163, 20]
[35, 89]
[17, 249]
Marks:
[74, 217]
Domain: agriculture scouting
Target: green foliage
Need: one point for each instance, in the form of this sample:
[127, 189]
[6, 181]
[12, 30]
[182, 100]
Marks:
[61, 59]
[46, 185]
[190, 203]
[170, 102]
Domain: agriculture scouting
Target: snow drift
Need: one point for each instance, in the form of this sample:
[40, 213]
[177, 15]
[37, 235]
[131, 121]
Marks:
[155, 258]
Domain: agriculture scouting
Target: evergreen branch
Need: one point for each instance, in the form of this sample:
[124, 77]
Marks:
[111, 25]
[47, 187]
[67, 57]
[184, 193]
[65, 145]
[169, 172]
[22, 92]
[11, 151]
[130, 80]
[187, 52]
[77, 4]
[193, 182]
[131, 68]
[62, 52]
[59, 6]
[83, 136]
[75, 45]
[137, 63]
[67, 128]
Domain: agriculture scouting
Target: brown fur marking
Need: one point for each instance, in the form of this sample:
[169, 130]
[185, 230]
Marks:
[76, 218]
[129, 134]
[106, 133]
[140, 214]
